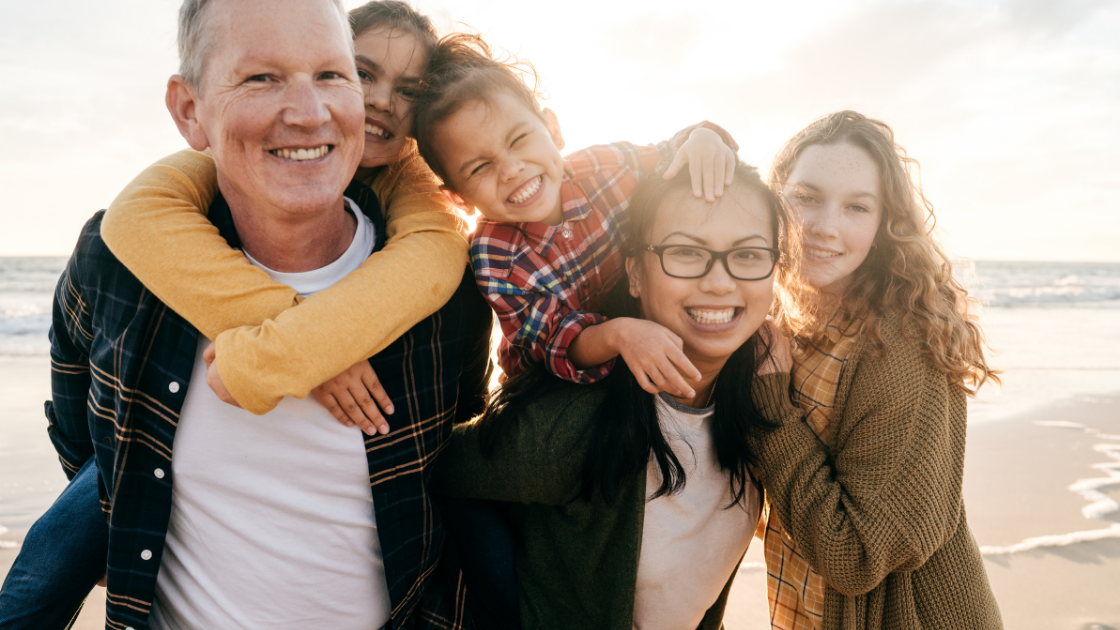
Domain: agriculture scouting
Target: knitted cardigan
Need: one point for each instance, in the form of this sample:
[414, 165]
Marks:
[881, 516]
[576, 560]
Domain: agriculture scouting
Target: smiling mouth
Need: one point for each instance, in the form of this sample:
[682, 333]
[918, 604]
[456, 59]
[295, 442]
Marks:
[303, 155]
[713, 316]
[820, 253]
[377, 130]
[526, 191]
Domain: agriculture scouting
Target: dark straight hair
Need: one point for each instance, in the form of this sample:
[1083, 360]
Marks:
[625, 431]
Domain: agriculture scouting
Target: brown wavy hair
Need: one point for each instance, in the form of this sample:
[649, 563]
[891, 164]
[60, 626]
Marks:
[907, 269]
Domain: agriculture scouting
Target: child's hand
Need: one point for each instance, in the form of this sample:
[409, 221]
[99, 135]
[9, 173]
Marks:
[213, 378]
[711, 162]
[656, 357]
[350, 398]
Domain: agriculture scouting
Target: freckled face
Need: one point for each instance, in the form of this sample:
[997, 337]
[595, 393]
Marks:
[835, 192]
[714, 314]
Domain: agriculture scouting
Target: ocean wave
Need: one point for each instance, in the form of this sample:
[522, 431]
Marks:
[1058, 540]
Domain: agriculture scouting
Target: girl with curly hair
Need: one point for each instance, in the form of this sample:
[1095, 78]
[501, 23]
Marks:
[867, 524]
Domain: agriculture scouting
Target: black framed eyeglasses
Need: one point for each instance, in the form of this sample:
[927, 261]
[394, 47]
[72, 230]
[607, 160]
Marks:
[693, 261]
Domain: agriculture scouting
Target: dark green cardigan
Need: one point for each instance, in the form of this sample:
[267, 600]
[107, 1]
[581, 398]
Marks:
[577, 561]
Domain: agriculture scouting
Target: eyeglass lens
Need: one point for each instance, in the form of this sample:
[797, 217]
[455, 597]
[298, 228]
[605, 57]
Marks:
[745, 263]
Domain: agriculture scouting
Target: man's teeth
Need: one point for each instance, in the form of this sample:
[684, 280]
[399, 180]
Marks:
[300, 155]
[711, 317]
[820, 253]
[526, 191]
[374, 130]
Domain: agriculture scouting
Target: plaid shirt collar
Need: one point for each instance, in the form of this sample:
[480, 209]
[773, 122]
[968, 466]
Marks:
[576, 207]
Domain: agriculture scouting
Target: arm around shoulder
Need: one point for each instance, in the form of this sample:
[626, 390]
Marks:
[158, 229]
[889, 494]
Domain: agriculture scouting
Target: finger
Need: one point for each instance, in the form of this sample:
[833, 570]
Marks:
[210, 353]
[663, 384]
[729, 167]
[327, 400]
[354, 412]
[719, 168]
[709, 175]
[681, 363]
[643, 380]
[369, 408]
[373, 385]
[674, 378]
[675, 166]
[648, 385]
[696, 170]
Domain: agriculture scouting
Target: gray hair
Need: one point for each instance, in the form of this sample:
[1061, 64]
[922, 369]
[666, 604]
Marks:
[196, 40]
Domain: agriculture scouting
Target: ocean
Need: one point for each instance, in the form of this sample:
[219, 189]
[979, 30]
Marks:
[27, 285]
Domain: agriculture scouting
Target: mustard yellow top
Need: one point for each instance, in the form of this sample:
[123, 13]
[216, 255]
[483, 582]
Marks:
[268, 347]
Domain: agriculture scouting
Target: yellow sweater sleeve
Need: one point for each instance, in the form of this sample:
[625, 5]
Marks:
[266, 349]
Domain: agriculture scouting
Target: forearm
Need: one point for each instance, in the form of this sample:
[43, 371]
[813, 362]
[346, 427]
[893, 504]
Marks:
[158, 229]
[595, 345]
[352, 320]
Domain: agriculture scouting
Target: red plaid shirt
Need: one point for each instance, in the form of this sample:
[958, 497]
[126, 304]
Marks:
[545, 281]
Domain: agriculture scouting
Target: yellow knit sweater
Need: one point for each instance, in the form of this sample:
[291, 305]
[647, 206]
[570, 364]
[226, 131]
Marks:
[880, 516]
[268, 347]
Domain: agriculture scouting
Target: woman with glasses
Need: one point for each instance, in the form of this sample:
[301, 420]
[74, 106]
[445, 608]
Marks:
[633, 509]
[867, 524]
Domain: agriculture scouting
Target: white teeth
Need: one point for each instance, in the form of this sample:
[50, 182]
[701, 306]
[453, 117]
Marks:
[376, 131]
[820, 253]
[711, 317]
[299, 155]
[526, 191]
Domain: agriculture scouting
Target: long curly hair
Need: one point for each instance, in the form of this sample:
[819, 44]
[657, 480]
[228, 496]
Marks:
[907, 270]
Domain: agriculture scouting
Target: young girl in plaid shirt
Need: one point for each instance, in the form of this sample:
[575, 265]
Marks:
[548, 245]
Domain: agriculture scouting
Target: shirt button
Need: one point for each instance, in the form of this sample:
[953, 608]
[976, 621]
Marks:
[146, 554]
[173, 387]
[567, 233]
[158, 473]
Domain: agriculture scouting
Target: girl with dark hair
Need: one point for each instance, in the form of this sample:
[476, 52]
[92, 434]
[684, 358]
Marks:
[633, 509]
[867, 525]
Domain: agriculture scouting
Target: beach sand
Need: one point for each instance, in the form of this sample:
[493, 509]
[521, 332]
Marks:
[1017, 487]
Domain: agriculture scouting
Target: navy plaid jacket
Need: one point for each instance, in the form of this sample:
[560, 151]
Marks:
[121, 364]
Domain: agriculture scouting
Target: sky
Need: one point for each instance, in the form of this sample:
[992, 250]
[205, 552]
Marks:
[1012, 107]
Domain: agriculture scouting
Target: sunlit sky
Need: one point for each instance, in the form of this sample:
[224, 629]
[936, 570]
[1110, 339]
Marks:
[1012, 106]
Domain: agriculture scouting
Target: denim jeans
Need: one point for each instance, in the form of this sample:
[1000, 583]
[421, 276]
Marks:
[62, 558]
[481, 537]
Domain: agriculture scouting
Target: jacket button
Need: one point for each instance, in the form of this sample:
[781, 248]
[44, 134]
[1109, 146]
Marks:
[158, 473]
[146, 554]
[173, 387]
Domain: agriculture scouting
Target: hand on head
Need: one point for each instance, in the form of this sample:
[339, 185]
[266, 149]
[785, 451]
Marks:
[710, 162]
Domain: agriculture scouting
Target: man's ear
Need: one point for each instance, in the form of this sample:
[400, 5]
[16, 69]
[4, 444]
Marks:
[182, 102]
[553, 124]
[633, 273]
[457, 200]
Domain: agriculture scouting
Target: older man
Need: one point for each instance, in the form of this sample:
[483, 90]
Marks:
[222, 519]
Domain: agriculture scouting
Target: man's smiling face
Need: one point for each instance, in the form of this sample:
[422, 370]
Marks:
[280, 105]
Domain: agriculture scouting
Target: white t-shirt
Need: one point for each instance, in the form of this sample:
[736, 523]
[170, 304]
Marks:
[690, 542]
[272, 522]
